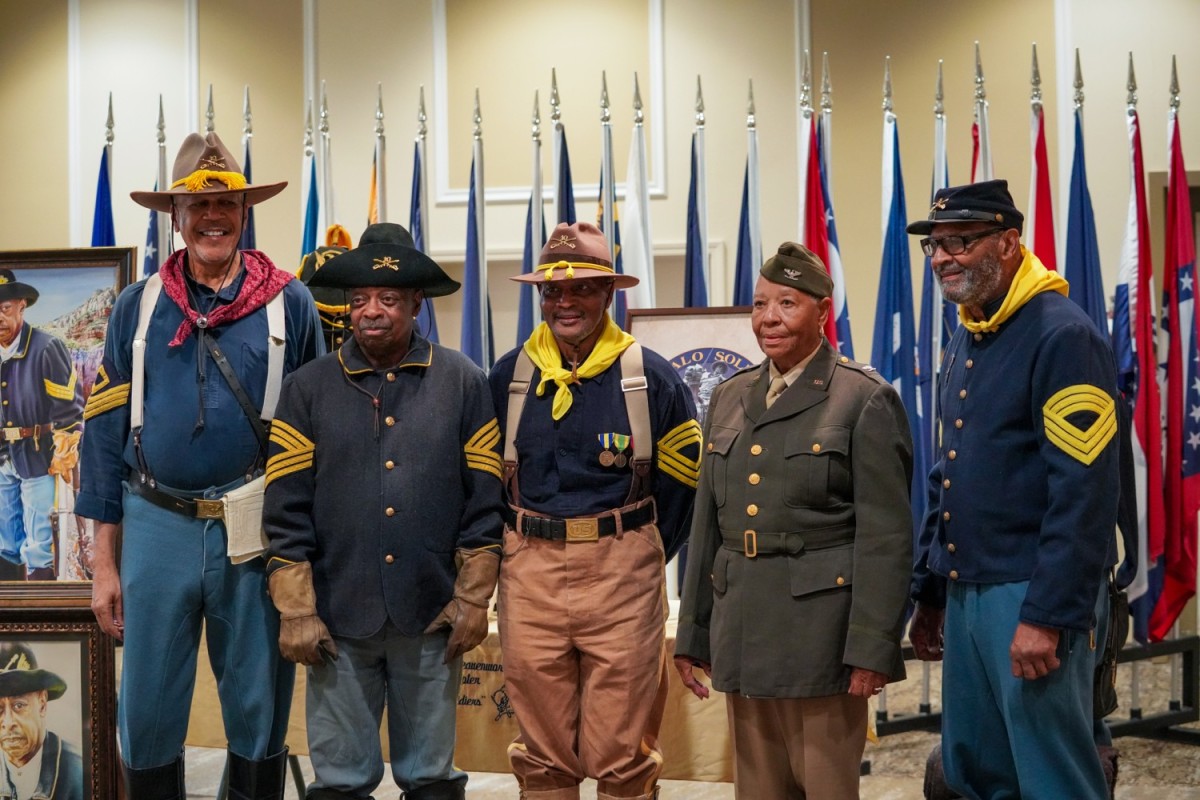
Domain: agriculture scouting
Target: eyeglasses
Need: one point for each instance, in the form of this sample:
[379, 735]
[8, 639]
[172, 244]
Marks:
[955, 245]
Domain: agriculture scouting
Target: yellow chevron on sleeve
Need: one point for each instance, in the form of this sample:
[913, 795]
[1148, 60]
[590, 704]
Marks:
[102, 380]
[480, 449]
[297, 451]
[60, 392]
[101, 401]
[671, 458]
[1083, 445]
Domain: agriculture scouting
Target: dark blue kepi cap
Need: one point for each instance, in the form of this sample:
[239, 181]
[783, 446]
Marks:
[986, 201]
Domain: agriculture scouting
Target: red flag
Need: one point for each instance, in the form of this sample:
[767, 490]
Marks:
[816, 234]
[1182, 471]
[1040, 236]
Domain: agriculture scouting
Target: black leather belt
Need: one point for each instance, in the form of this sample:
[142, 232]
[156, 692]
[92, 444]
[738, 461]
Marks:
[584, 529]
[14, 434]
[198, 508]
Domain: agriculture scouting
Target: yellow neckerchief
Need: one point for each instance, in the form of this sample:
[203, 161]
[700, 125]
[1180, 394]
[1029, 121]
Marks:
[1032, 279]
[543, 350]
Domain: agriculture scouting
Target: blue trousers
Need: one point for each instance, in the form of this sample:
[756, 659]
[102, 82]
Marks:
[1006, 737]
[175, 577]
[344, 704]
[25, 505]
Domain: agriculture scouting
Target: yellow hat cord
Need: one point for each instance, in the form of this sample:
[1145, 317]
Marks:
[199, 180]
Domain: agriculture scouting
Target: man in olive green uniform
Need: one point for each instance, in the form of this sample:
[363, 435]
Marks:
[801, 546]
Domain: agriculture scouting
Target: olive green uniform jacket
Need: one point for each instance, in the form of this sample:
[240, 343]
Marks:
[818, 485]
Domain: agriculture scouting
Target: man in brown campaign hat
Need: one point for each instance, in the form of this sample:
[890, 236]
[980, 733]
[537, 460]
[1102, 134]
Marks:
[601, 455]
[801, 548]
[177, 420]
[383, 508]
[37, 764]
[41, 408]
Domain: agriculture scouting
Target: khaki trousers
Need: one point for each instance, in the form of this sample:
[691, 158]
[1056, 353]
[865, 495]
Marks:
[797, 748]
[582, 631]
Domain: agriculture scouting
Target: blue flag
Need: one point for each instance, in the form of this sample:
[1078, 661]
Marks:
[247, 242]
[695, 289]
[893, 350]
[477, 314]
[311, 209]
[618, 305]
[103, 231]
[525, 315]
[564, 190]
[1082, 268]
[745, 269]
[151, 259]
[427, 324]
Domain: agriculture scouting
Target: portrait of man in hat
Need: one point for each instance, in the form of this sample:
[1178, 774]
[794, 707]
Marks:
[177, 419]
[41, 411]
[601, 453]
[383, 509]
[37, 763]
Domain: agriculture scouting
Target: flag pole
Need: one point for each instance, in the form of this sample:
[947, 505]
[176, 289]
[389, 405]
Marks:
[484, 326]
[325, 155]
[1174, 703]
[889, 121]
[702, 188]
[556, 122]
[380, 159]
[165, 233]
[248, 240]
[422, 133]
[210, 116]
[535, 195]
[753, 207]
[607, 190]
[982, 169]
[803, 142]
[247, 122]
[109, 136]
[826, 121]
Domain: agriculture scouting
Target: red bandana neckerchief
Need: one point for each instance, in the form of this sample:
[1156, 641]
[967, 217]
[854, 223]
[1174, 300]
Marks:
[262, 282]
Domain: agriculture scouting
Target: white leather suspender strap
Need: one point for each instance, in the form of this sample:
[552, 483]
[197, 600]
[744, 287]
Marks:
[137, 382]
[276, 346]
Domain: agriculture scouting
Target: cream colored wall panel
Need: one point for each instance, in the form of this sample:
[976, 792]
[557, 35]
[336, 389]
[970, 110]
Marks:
[33, 88]
[259, 44]
[136, 50]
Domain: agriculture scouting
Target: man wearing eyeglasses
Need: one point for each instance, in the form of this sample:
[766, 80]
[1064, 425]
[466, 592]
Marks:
[1022, 509]
[601, 456]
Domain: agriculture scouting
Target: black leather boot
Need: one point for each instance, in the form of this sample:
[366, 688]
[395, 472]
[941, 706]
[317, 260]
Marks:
[10, 571]
[331, 794]
[156, 783]
[440, 790]
[257, 780]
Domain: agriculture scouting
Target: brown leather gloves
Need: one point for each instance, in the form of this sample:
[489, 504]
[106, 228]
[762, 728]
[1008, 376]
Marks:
[302, 635]
[466, 613]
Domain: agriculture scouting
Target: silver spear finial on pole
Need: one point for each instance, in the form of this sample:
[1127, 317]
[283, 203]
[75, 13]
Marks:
[209, 115]
[1174, 86]
[750, 122]
[555, 111]
[1078, 84]
[380, 158]
[605, 116]
[638, 117]
[887, 84]
[247, 121]
[980, 92]
[1131, 86]
[939, 95]
[806, 87]
[477, 118]
[1035, 83]
[699, 104]
[826, 85]
[421, 117]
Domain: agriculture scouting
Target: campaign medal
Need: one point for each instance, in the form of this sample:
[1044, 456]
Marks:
[621, 441]
[606, 441]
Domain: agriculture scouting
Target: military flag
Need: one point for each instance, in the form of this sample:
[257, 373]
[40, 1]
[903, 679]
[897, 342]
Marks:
[695, 257]
[637, 251]
[749, 247]
[476, 341]
[981, 151]
[1081, 265]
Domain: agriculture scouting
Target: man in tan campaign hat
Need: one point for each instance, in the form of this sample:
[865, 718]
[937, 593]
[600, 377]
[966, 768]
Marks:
[801, 548]
[605, 459]
[177, 419]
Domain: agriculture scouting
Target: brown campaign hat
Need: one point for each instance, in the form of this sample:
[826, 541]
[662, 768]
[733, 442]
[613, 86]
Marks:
[574, 252]
[205, 166]
[796, 266]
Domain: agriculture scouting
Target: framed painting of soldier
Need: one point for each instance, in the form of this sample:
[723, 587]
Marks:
[57, 694]
[54, 310]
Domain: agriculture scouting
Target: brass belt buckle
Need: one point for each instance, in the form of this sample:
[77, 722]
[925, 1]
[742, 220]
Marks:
[750, 543]
[209, 509]
[584, 529]
[12, 434]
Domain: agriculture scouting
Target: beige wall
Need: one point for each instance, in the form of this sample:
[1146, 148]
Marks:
[140, 48]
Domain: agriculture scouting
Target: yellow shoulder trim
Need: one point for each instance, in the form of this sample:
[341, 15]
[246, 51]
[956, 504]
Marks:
[1083, 445]
[480, 449]
[100, 402]
[296, 455]
[671, 458]
[60, 392]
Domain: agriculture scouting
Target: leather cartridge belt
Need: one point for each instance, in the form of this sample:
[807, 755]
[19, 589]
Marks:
[583, 529]
[195, 508]
[769, 543]
[14, 434]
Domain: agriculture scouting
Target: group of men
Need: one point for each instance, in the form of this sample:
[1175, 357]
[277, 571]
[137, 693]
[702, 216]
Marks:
[401, 485]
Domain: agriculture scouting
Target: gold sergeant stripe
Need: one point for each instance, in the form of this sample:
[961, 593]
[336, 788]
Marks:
[297, 452]
[671, 459]
[480, 449]
[1083, 445]
[59, 391]
[100, 402]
